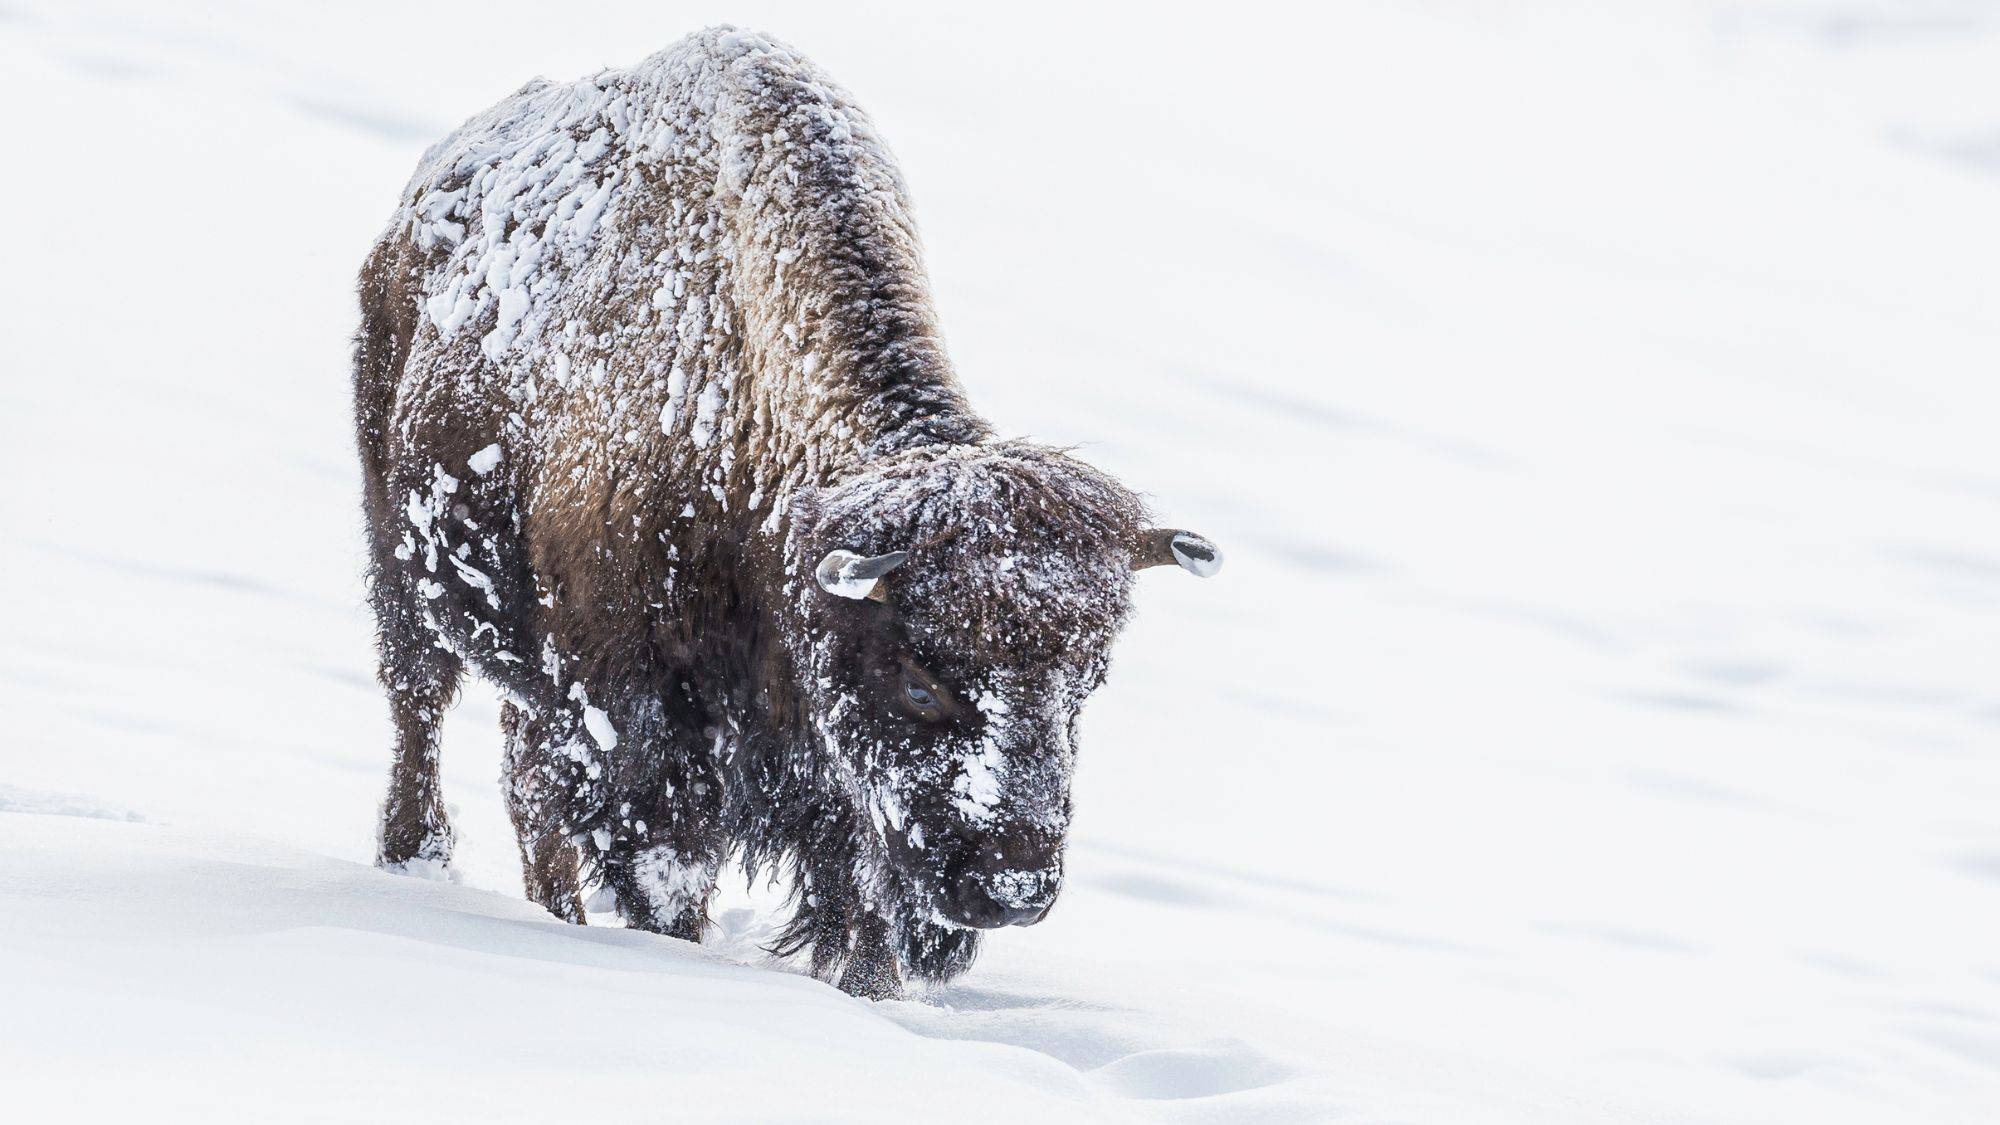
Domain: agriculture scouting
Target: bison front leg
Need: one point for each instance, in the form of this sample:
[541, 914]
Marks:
[872, 970]
[663, 888]
[878, 967]
[665, 842]
[538, 800]
[937, 953]
[854, 946]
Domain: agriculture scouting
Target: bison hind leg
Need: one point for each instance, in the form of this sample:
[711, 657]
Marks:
[415, 835]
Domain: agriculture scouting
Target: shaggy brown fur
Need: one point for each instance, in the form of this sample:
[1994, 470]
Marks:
[636, 353]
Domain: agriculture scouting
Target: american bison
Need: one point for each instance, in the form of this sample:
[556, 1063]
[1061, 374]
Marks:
[659, 437]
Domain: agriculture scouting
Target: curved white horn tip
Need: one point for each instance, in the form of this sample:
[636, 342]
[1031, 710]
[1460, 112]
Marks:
[1196, 555]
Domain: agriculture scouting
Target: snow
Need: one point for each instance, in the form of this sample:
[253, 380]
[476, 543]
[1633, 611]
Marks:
[1594, 722]
[976, 792]
[670, 880]
[484, 461]
[15, 799]
[601, 730]
[705, 406]
[511, 1000]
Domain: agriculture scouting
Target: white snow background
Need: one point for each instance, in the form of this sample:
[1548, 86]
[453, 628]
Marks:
[1596, 722]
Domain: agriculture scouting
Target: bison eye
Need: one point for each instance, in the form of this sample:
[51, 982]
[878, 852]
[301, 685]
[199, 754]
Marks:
[921, 697]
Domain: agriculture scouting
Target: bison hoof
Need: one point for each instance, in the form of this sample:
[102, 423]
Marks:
[872, 982]
[422, 867]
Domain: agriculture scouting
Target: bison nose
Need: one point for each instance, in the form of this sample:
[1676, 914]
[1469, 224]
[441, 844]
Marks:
[1005, 898]
[1008, 879]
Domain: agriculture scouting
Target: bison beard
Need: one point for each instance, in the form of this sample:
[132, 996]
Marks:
[658, 437]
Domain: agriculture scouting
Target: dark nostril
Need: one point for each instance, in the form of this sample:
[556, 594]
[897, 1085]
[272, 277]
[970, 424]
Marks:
[1041, 913]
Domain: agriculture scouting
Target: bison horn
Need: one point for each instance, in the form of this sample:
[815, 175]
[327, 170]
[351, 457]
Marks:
[849, 575]
[1166, 546]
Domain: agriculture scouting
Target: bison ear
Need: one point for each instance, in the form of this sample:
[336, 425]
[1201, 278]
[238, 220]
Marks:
[1166, 546]
[848, 575]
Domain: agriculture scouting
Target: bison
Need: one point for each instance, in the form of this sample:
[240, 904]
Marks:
[659, 438]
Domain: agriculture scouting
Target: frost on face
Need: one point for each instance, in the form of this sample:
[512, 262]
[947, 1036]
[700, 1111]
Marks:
[976, 793]
[1023, 888]
[981, 779]
[1016, 581]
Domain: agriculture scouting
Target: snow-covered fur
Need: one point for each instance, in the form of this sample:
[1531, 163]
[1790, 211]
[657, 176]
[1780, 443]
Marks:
[637, 353]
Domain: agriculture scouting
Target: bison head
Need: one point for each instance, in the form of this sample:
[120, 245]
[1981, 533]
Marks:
[959, 606]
